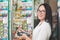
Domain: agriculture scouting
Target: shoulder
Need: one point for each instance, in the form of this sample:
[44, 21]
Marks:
[46, 24]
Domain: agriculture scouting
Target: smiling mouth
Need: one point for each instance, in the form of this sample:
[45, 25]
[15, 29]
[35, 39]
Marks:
[41, 16]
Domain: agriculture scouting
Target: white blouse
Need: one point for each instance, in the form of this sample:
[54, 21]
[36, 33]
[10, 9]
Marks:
[42, 31]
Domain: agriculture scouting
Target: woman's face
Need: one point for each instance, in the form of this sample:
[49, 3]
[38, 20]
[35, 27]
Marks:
[41, 13]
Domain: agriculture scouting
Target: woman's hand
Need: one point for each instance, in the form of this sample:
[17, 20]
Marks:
[25, 37]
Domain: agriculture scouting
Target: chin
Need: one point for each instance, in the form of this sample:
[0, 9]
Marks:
[40, 18]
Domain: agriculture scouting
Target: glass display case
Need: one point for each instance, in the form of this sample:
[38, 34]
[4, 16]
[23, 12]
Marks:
[22, 18]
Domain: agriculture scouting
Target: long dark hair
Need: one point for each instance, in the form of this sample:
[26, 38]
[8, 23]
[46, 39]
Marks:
[48, 17]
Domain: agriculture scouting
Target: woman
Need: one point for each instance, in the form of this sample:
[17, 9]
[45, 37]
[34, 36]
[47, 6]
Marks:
[43, 29]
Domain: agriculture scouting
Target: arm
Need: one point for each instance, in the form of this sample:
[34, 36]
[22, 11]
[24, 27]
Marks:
[25, 37]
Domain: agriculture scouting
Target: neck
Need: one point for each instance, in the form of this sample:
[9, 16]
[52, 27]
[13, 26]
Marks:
[42, 21]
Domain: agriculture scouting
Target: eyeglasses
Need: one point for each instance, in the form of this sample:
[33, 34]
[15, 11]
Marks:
[41, 11]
